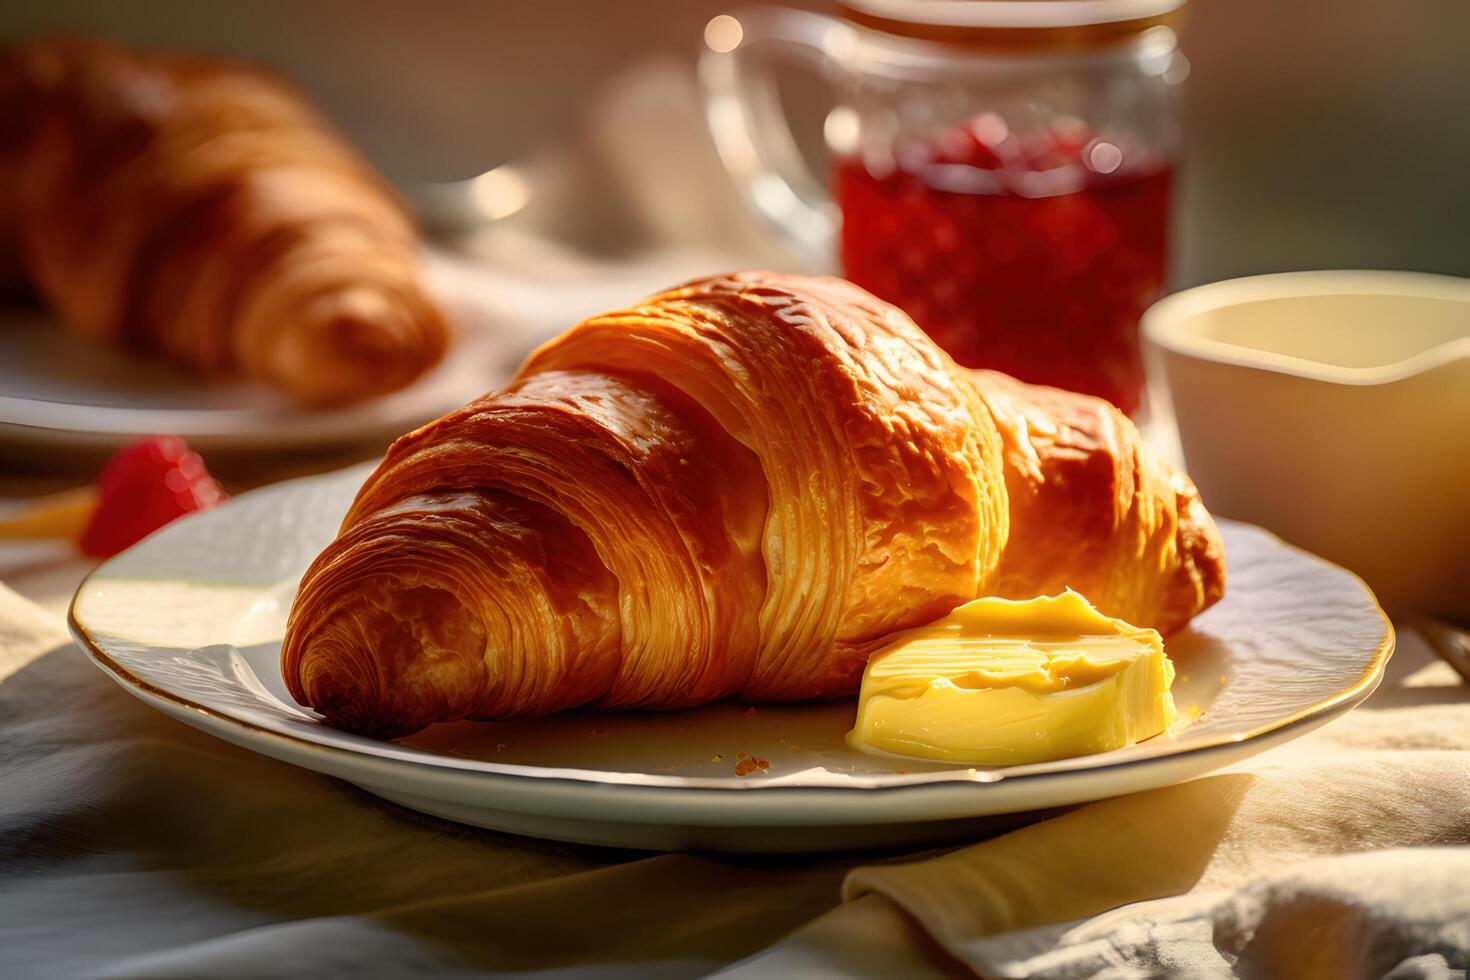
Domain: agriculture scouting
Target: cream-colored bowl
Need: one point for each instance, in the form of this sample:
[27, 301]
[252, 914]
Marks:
[1334, 409]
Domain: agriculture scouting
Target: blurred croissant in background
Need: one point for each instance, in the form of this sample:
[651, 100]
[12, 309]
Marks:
[200, 211]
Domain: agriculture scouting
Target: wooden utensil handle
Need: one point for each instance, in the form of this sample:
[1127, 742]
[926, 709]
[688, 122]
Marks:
[1450, 642]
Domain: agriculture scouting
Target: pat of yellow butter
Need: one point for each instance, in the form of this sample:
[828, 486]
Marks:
[1004, 682]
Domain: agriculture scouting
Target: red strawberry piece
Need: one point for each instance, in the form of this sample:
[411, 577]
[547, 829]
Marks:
[144, 486]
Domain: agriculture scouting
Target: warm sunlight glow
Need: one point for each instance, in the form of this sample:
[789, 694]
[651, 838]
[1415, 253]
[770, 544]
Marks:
[500, 193]
[841, 130]
[1104, 158]
[723, 33]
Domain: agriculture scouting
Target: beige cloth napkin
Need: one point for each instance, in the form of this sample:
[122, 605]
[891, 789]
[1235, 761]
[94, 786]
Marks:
[131, 845]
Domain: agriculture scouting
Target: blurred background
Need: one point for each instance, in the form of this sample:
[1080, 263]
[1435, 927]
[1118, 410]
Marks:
[1319, 133]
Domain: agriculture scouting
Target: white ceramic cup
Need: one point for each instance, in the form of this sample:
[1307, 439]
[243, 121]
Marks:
[1334, 409]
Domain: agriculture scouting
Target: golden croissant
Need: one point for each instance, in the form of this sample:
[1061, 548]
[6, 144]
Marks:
[737, 488]
[198, 210]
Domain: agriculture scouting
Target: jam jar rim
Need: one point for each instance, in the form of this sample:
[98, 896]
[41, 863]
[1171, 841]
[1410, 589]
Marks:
[1025, 27]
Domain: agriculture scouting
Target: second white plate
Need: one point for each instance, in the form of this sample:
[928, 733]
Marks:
[61, 391]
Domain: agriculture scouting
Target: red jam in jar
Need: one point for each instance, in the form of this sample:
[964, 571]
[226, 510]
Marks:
[1035, 257]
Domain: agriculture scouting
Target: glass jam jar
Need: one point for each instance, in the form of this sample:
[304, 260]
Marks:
[1002, 171]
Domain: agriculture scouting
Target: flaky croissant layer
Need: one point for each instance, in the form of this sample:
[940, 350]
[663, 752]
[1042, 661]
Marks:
[736, 488]
[198, 210]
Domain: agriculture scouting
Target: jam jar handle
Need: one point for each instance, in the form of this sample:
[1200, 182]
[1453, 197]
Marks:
[750, 128]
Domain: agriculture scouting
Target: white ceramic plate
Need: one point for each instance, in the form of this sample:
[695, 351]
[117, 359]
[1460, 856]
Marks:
[190, 621]
[59, 390]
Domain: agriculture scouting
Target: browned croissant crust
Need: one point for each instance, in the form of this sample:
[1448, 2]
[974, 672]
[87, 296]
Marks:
[737, 488]
[199, 210]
